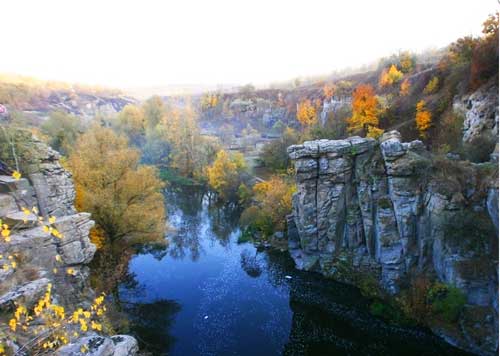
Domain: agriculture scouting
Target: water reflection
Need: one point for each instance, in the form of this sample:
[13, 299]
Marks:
[250, 263]
[151, 322]
[204, 294]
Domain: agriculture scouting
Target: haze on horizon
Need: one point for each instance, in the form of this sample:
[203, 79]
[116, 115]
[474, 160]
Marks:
[147, 43]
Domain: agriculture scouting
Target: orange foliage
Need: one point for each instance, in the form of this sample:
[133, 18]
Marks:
[329, 91]
[423, 118]
[364, 109]
[405, 88]
[97, 237]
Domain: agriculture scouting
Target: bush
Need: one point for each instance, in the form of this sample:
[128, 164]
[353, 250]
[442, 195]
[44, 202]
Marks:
[446, 301]
[273, 201]
[479, 149]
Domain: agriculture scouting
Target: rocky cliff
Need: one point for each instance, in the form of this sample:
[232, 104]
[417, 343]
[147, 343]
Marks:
[389, 210]
[48, 187]
[481, 112]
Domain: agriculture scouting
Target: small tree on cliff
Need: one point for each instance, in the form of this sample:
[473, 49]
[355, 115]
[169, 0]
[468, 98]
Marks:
[364, 112]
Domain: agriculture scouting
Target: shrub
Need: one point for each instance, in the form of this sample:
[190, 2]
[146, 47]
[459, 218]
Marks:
[273, 201]
[432, 86]
[479, 149]
[446, 301]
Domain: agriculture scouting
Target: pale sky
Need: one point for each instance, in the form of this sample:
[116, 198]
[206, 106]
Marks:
[127, 43]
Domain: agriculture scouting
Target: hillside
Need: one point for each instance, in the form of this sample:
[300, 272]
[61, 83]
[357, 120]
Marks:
[34, 99]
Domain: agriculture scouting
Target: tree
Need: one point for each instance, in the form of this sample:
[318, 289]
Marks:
[391, 76]
[405, 88]
[153, 110]
[62, 130]
[274, 154]
[131, 122]
[432, 85]
[423, 118]
[273, 202]
[484, 63]
[209, 101]
[364, 109]
[123, 196]
[328, 91]
[407, 62]
[157, 149]
[225, 174]
[306, 113]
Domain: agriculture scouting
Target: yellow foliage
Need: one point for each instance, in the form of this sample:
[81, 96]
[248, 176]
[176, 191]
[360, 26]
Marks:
[406, 63]
[374, 132]
[273, 202]
[123, 196]
[306, 113]
[423, 118]
[391, 76]
[209, 101]
[224, 175]
[431, 86]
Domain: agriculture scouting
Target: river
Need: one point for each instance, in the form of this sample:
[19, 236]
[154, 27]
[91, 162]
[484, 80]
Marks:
[207, 294]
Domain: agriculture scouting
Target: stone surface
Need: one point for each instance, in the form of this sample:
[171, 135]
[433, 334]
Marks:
[118, 345]
[481, 112]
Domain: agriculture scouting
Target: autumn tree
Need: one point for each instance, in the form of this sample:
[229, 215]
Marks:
[273, 202]
[153, 110]
[484, 63]
[209, 101]
[62, 130]
[432, 85]
[123, 196]
[132, 123]
[391, 76]
[328, 91]
[364, 110]
[404, 89]
[306, 113]
[407, 62]
[423, 118]
[225, 174]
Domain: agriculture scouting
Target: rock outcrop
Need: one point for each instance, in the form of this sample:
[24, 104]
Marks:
[391, 211]
[48, 188]
[95, 345]
[481, 112]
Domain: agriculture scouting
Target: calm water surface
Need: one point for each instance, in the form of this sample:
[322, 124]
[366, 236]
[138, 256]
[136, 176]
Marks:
[205, 294]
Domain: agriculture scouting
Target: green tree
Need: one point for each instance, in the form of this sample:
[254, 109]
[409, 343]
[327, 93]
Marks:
[62, 130]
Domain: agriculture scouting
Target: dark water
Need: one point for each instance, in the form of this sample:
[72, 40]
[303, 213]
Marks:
[208, 295]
